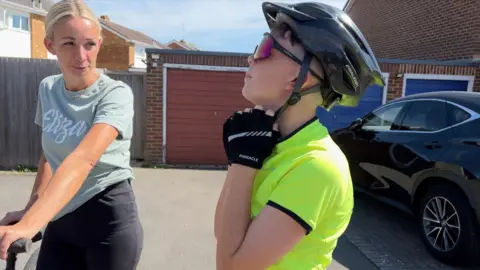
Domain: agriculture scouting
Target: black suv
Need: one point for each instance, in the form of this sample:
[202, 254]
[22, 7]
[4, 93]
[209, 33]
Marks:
[422, 152]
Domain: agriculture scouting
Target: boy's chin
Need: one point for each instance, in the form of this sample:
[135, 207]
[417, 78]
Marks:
[249, 96]
[259, 101]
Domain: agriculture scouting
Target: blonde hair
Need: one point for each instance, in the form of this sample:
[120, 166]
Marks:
[67, 8]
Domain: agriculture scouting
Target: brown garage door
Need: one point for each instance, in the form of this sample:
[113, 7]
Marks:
[198, 102]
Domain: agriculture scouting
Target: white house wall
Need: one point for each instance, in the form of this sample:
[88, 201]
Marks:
[2, 17]
[138, 63]
[13, 42]
[140, 55]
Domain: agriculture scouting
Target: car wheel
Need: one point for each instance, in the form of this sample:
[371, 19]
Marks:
[448, 226]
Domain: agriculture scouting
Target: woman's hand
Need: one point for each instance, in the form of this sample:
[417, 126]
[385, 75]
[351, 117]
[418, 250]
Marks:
[12, 217]
[10, 234]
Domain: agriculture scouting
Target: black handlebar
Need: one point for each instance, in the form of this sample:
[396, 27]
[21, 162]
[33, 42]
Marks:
[20, 246]
[23, 245]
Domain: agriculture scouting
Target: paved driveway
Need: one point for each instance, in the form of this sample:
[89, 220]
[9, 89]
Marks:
[177, 210]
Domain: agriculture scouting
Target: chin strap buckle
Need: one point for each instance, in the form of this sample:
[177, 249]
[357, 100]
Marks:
[294, 98]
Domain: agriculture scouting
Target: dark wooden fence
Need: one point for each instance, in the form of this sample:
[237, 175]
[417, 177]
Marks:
[20, 138]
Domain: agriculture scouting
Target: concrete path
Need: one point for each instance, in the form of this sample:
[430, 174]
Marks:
[177, 210]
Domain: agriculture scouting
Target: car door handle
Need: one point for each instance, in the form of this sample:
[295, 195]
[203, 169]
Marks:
[433, 145]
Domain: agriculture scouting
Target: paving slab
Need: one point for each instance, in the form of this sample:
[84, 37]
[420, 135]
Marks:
[177, 210]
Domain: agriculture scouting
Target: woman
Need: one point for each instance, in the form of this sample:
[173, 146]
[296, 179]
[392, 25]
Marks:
[82, 189]
[288, 194]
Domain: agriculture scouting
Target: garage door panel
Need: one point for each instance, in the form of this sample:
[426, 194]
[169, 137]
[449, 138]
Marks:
[416, 86]
[195, 123]
[206, 77]
[204, 138]
[182, 93]
[201, 151]
[220, 110]
[198, 102]
[202, 86]
[201, 145]
[182, 130]
[204, 74]
[209, 115]
[231, 105]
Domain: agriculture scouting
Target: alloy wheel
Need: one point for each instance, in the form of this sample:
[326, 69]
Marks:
[441, 223]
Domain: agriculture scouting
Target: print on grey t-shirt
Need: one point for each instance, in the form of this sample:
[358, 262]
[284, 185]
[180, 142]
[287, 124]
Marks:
[66, 117]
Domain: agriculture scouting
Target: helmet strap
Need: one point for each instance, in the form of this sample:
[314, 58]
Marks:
[297, 93]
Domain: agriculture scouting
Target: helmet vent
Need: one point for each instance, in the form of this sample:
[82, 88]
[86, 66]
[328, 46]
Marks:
[347, 79]
[356, 37]
[352, 59]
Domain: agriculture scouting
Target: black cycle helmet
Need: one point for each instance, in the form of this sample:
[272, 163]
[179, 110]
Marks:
[329, 35]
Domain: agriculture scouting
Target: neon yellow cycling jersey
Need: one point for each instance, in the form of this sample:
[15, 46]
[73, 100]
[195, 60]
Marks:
[308, 178]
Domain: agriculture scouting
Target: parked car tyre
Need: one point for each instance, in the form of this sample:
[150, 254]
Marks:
[455, 231]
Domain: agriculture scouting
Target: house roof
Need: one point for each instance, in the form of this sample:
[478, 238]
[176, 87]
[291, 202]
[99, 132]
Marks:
[186, 45]
[39, 7]
[130, 34]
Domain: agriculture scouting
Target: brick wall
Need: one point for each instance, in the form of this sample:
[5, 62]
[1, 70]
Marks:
[131, 54]
[175, 46]
[395, 84]
[154, 84]
[427, 29]
[116, 53]
[37, 30]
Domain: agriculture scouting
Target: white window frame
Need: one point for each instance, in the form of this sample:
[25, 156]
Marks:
[469, 79]
[386, 76]
[9, 14]
[3, 15]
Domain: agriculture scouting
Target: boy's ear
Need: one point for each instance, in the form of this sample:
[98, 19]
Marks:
[291, 84]
[310, 80]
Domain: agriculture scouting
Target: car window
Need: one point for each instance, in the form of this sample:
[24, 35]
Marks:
[456, 114]
[382, 119]
[425, 115]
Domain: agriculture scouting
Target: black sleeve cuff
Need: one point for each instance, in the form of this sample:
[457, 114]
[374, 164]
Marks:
[295, 217]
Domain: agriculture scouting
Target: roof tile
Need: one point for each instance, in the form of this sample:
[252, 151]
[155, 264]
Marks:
[131, 34]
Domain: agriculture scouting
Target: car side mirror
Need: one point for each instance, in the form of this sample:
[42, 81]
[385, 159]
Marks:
[356, 123]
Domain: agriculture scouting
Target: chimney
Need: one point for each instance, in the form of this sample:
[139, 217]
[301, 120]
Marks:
[39, 3]
[105, 17]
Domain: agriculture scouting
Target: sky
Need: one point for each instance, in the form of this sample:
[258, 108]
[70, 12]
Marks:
[212, 25]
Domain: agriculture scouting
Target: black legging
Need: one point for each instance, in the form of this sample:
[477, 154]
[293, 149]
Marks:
[103, 234]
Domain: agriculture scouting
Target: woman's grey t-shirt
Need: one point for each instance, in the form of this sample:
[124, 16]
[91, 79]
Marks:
[66, 117]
